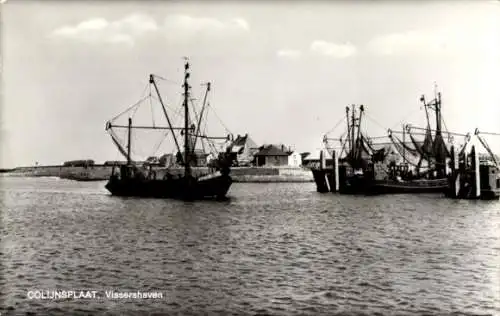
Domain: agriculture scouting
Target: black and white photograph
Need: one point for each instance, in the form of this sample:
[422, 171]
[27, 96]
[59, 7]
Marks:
[236, 157]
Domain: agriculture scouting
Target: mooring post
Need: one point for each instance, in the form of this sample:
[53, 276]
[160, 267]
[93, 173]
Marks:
[477, 179]
[455, 173]
[322, 161]
[322, 167]
[335, 171]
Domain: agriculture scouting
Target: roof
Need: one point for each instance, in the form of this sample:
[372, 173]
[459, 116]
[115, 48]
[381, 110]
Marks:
[271, 150]
[242, 140]
[236, 148]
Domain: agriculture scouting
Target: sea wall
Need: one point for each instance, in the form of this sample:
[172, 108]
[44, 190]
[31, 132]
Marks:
[98, 172]
[270, 174]
[101, 172]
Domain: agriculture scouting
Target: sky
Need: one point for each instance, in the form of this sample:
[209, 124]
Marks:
[281, 71]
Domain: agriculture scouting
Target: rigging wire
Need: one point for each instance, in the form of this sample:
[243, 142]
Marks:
[151, 106]
[133, 105]
[164, 136]
[166, 105]
[336, 125]
[215, 113]
[197, 118]
[130, 108]
[406, 117]
[374, 121]
[167, 80]
[135, 111]
[139, 151]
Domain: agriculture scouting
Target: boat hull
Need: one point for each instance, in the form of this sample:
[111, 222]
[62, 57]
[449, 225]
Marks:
[324, 180]
[414, 187]
[215, 187]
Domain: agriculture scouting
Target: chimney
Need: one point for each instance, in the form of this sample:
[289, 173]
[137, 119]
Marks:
[282, 147]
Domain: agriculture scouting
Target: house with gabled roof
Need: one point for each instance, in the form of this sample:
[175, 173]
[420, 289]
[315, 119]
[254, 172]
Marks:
[272, 155]
[243, 149]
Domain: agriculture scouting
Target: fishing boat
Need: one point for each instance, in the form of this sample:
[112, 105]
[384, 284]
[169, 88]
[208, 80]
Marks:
[390, 167]
[184, 181]
[351, 171]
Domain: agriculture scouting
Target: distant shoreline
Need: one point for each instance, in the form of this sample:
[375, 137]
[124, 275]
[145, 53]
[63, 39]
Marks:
[102, 172]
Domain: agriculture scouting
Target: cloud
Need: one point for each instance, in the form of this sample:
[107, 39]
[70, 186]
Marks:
[333, 49]
[98, 30]
[289, 53]
[183, 27]
[408, 42]
[128, 29]
[241, 23]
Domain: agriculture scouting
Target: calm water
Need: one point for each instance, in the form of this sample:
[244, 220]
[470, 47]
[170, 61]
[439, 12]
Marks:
[277, 249]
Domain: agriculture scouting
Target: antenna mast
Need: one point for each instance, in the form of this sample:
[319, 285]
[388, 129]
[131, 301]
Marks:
[353, 129]
[348, 128]
[187, 164]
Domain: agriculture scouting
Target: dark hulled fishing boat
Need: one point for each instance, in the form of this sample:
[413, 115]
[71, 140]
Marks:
[411, 176]
[132, 179]
[387, 168]
[351, 171]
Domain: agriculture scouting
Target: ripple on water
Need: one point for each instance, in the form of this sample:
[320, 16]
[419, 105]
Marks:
[276, 249]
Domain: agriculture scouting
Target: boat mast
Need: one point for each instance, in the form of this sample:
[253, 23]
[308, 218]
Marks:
[361, 110]
[440, 161]
[438, 114]
[348, 128]
[187, 167]
[129, 140]
[353, 129]
[404, 148]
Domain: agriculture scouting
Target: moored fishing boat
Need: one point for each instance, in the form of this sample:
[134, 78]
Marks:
[351, 171]
[389, 168]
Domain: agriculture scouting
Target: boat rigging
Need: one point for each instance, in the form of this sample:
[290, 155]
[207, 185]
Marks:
[205, 182]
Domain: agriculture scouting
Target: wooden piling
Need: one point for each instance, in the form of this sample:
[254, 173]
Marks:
[335, 171]
[477, 179]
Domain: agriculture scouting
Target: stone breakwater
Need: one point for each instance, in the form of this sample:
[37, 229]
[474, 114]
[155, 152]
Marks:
[101, 172]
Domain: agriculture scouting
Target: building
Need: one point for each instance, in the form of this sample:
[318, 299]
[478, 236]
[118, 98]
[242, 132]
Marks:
[242, 150]
[115, 163]
[294, 159]
[271, 155]
[79, 163]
